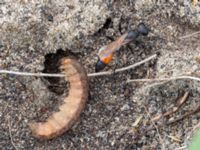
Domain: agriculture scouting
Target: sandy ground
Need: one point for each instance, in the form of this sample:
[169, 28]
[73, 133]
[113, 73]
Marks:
[31, 34]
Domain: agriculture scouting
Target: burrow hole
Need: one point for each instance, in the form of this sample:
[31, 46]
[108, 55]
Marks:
[56, 85]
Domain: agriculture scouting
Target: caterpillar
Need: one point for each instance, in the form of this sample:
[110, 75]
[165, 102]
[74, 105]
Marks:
[74, 103]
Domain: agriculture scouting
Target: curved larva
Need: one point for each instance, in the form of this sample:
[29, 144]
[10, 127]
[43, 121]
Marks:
[73, 105]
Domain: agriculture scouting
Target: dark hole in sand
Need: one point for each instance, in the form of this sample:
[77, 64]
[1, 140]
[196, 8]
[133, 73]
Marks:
[108, 23]
[58, 86]
[51, 65]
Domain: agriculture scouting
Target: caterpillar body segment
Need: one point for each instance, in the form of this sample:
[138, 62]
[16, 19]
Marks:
[72, 107]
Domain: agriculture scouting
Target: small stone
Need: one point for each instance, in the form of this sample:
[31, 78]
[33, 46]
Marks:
[100, 134]
[117, 119]
[125, 107]
[50, 18]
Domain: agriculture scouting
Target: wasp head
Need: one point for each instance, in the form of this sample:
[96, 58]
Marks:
[143, 29]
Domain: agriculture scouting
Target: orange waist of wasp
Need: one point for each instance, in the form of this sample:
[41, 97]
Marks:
[106, 60]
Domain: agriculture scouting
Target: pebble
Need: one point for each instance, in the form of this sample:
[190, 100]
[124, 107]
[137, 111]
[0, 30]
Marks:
[125, 107]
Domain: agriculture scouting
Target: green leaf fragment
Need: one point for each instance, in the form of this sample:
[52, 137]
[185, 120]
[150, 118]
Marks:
[195, 145]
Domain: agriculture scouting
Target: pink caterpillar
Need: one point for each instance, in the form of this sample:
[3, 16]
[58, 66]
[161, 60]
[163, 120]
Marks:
[73, 105]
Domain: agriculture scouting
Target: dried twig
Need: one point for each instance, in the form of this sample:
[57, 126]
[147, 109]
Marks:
[31, 74]
[164, 79]
[191, 112]
[182, 148]
[189, 35]
[89, 74]
[174, 138]
[137, 121]
[10, 134]
[174, 109]
[154, 125]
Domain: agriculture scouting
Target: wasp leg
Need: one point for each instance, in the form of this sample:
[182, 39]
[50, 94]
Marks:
[114, 70]
[117, 63]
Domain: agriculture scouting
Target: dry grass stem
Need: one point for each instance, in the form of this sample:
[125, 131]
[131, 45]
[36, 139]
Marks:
[89, 74]
[31, 74]
[174, 109]
[182, 148]
[189, 35]
[137, 121]
[191, 112]
[10, 134]
[173, 121]
[164, 79]
[174, 138]
[157, 130]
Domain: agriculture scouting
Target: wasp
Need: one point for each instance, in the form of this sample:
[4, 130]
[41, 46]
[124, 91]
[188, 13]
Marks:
[106, 52]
